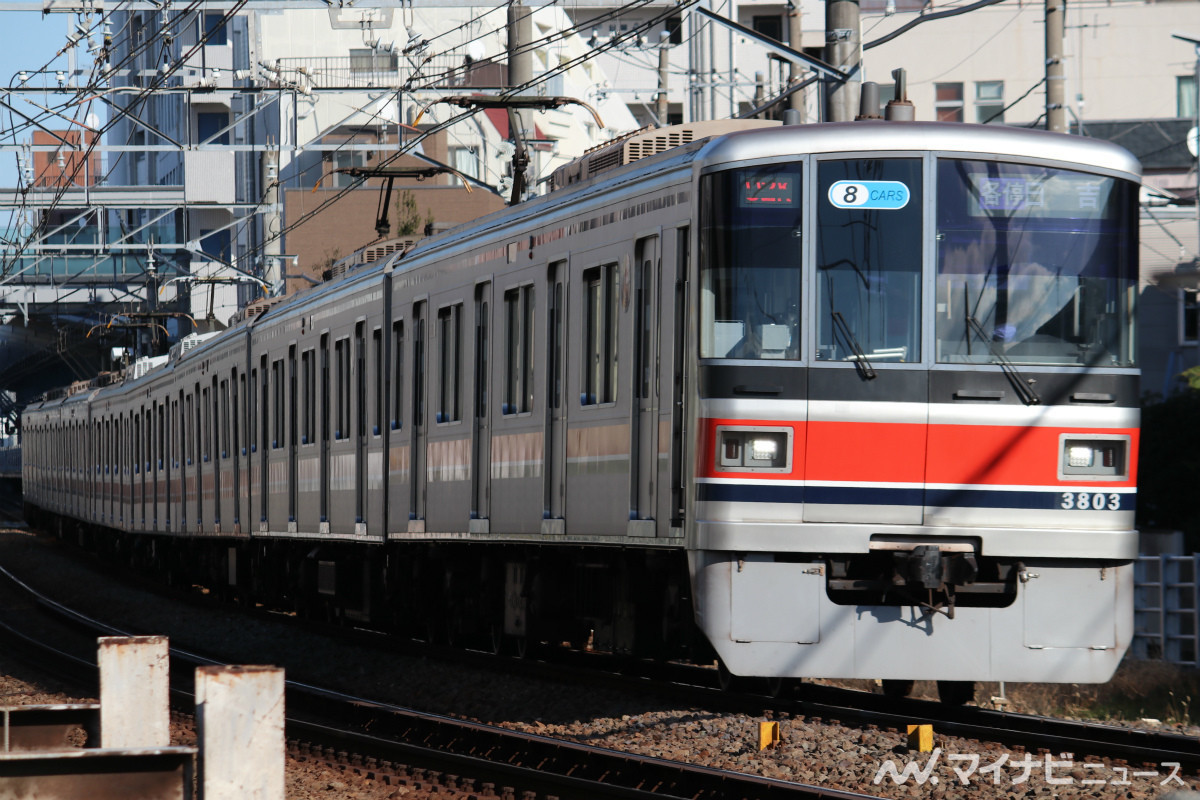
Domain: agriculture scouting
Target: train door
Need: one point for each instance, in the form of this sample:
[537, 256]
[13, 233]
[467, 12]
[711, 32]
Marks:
[417, 473]
[398, 449]
[679, 327]
[481, 433]
[644, 444]
[219, 406]
[293, 437]
[868, 391]
[360, 423]
[264, 440]
[326, 415]
[237, 385]
[556, 406]
[376, 505]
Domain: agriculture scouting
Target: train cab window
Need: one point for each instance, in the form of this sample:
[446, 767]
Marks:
[601, 303]
[1035, 265]
[750, 263]
[869, 258]
[449, 364]
[518, 351]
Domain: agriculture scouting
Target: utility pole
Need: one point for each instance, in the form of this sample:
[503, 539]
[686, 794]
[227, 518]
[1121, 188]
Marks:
[271, 222]
[1056, 78]
[520, 73]
[661, 102]
[843, 49]
[795, 34]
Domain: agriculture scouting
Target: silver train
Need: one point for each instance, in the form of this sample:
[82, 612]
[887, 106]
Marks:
[851, 400]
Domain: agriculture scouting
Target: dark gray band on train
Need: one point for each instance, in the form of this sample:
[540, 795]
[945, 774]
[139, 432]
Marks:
[1055, 388]
[753, 380]
[975, 385]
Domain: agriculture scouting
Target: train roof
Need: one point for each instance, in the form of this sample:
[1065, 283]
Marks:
[941, 137]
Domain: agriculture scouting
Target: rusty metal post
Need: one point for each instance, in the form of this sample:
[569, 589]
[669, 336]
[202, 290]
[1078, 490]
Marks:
[239, 726]
[134, 691]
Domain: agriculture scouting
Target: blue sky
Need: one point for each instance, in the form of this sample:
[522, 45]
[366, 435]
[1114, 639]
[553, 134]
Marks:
[27, 42]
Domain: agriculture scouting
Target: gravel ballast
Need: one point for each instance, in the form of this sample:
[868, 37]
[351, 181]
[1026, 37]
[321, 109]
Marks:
[823, 752]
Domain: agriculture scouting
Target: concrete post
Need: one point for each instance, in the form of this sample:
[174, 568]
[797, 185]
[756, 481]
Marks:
[1056, 75]
[662, 101]
[272, 223]
[135, 698]
[795, 70]
[843, 49]
[239, 727]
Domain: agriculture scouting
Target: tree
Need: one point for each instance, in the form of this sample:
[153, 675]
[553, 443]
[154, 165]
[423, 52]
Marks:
[408, 216]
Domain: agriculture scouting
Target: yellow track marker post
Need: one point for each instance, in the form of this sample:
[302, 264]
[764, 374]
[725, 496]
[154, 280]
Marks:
[920, 738]
[768, 735]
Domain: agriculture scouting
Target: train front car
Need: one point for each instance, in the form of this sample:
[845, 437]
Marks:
[916, 403]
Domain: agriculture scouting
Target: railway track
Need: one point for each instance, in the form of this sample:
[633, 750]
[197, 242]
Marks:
[437, 748]
[464, 749]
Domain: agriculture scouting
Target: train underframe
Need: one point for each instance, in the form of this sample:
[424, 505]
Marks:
[493, 596]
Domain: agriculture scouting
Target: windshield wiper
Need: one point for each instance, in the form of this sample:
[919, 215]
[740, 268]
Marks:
[865, 370]
[1023, 385]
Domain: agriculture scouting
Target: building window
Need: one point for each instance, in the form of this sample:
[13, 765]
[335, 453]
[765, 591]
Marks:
[209, 124]
[345, 159]
[466, 161]
[989, 102]
[771, 26]
[1189, 316]
[948, 102]
[1185, 97]
[214, 29]
[366, 60]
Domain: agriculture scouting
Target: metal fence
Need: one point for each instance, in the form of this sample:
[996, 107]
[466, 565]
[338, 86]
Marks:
[1165, 623]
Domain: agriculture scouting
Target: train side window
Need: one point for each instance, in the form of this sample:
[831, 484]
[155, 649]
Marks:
[224, 424]
[325, 388]
[191, 430]
[264, 393]
[518, 337]
[360, 381]
[277, 378]
[600, 301]
[449, 363]
[308, 379]
[377, 368]
[293, 423]
[206, 423]
[397, 374]
[252, 406]
[341, 352]
[482, 352]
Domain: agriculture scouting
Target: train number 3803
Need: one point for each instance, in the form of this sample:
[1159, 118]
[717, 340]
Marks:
[1095, 501]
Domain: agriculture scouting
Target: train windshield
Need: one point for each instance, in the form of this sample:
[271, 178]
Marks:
[1036, 265]
[751, 255]
[869, 233]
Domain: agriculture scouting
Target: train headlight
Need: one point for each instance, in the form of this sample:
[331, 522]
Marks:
[753, 449]
[763, 449]
[1099, 457]
[1080, 455]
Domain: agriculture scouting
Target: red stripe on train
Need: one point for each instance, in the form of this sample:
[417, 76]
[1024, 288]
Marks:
[889, 452]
